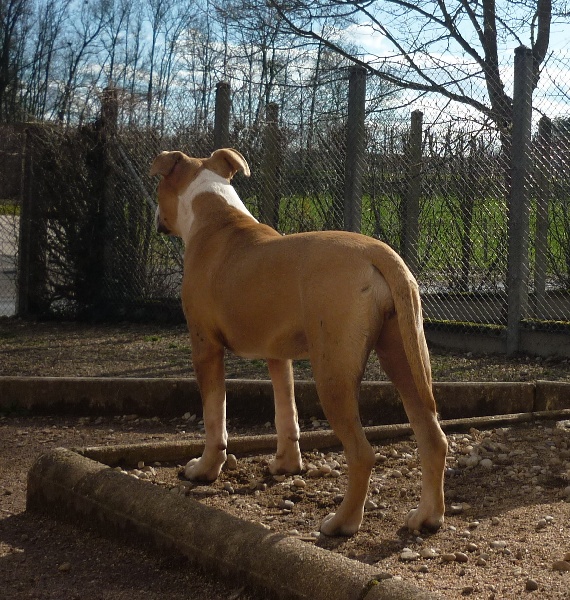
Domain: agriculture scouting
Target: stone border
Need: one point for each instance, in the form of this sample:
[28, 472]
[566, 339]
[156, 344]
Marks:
[128, 455]
[379, 401]
[64, 483]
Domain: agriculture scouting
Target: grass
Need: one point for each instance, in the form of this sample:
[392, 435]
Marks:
[9, 207]
[442, 242]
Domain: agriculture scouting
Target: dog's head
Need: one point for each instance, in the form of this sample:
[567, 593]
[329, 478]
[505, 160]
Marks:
[178, 172]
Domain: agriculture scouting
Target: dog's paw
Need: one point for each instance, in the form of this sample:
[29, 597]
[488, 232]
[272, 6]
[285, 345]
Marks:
[284, 465]
[198, 470]
[331, 525]
[418, 520]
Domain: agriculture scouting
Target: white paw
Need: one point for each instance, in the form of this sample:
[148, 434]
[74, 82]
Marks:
[198, 469]
[286, 465]
[418, 519]
[332, 525]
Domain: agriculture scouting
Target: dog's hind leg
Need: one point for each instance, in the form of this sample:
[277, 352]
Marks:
[338, 389]
[421, 411]
[209, 367]
[288, 456]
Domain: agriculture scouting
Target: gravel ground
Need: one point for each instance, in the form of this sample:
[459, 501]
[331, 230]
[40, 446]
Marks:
[507, 527]
[41, 558]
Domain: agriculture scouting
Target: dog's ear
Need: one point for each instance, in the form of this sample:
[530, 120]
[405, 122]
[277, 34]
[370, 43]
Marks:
[227, 162]
[165, 162]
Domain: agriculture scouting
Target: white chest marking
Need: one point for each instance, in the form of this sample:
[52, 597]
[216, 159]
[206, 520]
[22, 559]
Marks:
[207, 181]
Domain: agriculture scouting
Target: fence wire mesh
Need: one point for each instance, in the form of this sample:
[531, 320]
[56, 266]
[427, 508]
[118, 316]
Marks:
[442, 202]
[11, 157]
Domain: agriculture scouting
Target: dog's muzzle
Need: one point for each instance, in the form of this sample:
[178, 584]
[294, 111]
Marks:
[160, 226]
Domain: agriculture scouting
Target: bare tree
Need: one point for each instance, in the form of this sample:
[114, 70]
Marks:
[13, 27]
[426, 37]
[205, 64]
[43, 47]
[169, 20]
[256, 29]
[83, 43]
[118, 14]
[133, 54]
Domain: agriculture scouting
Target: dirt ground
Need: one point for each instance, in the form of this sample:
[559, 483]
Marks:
[507, 529]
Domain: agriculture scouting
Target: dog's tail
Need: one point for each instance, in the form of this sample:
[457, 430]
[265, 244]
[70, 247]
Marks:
[406, 295]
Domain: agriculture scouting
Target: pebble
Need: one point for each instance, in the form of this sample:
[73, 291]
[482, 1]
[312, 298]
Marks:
[531, 585]
[561, 565]
[461, 557]
[64, 567]
[409, 555]
[231, 462]
[429, 553]
[286, 505]
[299, 483]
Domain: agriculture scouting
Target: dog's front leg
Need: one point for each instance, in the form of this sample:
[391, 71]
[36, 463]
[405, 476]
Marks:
[209, 367]
[288, 456]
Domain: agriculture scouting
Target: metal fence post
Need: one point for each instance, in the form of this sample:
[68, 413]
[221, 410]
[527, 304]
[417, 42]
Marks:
[410, 222]
[543, 168]
[33, 234]
[355, 148]
[270, 194]
[518, 202]
[114, 276]
[222, 116]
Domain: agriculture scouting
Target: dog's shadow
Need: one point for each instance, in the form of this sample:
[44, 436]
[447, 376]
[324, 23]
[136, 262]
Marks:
[373, 552]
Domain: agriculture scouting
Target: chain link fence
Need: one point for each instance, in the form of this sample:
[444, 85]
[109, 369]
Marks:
[436, 181]
[11, 157]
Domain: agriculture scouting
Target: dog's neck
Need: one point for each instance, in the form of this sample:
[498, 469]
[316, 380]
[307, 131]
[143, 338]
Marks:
[206, 182]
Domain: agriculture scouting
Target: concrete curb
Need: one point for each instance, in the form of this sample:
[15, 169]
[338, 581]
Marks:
[128, 455]
[79, 488]
[379, 401]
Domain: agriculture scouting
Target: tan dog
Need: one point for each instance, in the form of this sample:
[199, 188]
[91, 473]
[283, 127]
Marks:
[328, 296]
